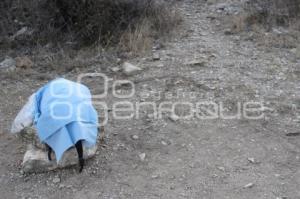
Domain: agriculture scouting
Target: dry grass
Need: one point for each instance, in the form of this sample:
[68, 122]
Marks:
[132, 23]
[137, 39]
[140, 37]
[271, 22]
[268, 14]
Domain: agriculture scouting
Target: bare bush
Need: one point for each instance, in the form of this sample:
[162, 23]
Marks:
[272, 12]
[85, 22]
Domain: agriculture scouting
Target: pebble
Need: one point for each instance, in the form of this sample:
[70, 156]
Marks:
[135, 137]
[56, 180]
[221, 168]
[160, 65]
[61, 186]
[130, 69]
[250, 185]
[156, 57]
[142, 156]
[8, 64]
[251, 160]
[154, 176]
[115, 69]
[196, 62]
[174, 118]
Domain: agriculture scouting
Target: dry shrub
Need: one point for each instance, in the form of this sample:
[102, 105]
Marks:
[269, 13]
[155, 24]
[86, 22]
[137, 39]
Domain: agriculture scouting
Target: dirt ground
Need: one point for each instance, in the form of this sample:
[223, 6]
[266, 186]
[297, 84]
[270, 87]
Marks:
[196, 158]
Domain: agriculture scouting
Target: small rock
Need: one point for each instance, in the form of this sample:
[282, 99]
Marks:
[115, 69]
[119, 60]
[228, 32]
[196, 62]
[174, 118]
[154, 176]
[130, 69]
[164, 143]
[142, 156]
[250, 185]
[135, 166]
[160, 65]
[251, 160]
[221, 168]
[135, 137]
[61, 186]
[156, 57]
[56, 180]
[69, 186]
[296, 51]
[23, 62]
[8, 64]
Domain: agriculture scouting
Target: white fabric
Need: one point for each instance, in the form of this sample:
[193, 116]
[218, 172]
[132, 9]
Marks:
[25, 116]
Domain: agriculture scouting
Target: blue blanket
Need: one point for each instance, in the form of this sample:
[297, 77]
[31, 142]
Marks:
[64, 114]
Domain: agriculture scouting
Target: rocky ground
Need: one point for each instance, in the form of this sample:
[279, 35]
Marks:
[148, 157]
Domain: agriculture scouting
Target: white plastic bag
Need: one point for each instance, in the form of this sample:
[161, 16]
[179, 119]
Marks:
[25, 117]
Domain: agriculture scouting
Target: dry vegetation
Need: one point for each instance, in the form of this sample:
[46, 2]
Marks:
[280, 18]
[267, 14]
[132, 23]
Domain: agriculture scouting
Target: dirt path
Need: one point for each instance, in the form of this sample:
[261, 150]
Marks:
[233, 158]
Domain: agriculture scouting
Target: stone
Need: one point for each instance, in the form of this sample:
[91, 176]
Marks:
[56, 180]
[296, 51]
[135, 137]
[36, 160]
[160, 65]
[155, 57]
[221, 168]
[250, 185]
[115, 69]
[130, 69]
[142, 156]
[228, 31]
[8, 65]
[118, 60]
[251, 160]
[23, 62]
[196, 62]
[174, 118]
[164, 143]
[61, 186]
[155, 176]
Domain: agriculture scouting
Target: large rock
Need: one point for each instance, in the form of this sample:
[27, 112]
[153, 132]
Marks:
[36, 160]
[36, 157]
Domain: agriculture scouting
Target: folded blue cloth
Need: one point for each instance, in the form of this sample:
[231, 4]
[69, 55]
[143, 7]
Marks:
[64, 114]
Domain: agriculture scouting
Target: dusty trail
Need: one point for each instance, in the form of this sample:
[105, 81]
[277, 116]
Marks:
[184, 159]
